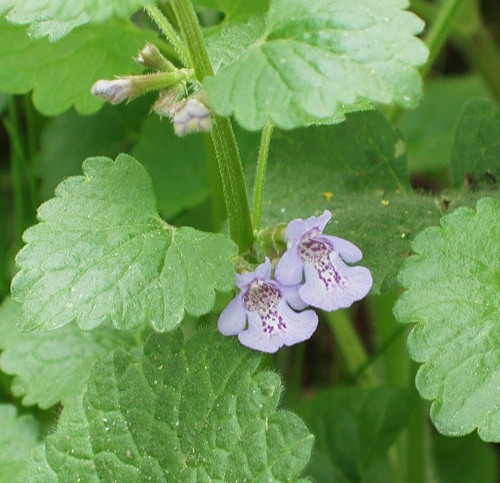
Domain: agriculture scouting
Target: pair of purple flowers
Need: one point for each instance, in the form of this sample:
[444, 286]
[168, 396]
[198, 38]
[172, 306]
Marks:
[267, 304]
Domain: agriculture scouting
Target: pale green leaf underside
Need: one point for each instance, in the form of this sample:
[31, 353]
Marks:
[49, 368]
[354, 428]
[61, 74]
[308, 59]
[453, 284]
[195, 411]
[67, 10]
[18, 436]
[101, 252]
[475, 157]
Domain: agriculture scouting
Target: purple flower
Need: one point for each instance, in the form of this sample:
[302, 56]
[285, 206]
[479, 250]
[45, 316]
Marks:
[264, 303]
[330, 284]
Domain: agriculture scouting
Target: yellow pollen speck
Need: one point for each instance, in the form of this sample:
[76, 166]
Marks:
[385, 202]
[328, 195]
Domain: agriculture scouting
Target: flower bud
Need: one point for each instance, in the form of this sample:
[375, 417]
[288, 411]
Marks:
[192, 116]
[152, 58]
[113, 91]
[116, 91]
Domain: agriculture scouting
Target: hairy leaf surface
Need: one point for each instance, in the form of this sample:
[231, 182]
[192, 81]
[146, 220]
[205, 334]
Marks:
[305, 60]
[18, 436]
[196, 411]
[452, 292]
[101, 252]
[49, 368]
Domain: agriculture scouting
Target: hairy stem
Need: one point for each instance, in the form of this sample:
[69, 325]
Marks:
[258, 191]
[226, 150]
[170, 34]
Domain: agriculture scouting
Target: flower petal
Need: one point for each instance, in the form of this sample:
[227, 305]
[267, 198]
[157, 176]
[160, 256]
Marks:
[233, 318]
[290, 267]
[347, 285]
[295, 327]
[291, 295]
[348, 251]
[298, 227]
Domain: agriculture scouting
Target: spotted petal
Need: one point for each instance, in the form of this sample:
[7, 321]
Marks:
[348, 251]
[335, 285]
[289, 328]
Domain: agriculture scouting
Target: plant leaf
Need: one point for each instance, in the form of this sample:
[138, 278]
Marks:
[19, 435]
[235, 10]
[101, 252]
[90, 53]
[354, 428]
[51, 367]
[307, 59]
[462, 460]
[429, 129]
[475, 157]
[452, 295]
[180, 412]
[95, 10]
[350, 169]
[176, 165]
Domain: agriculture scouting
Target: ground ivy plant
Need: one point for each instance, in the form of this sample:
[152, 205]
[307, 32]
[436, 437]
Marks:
[249, 241]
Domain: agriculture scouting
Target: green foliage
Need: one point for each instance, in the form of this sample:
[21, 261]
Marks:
[90, 53]
[429, 130]
[455, 271]
[361, 164]
[176, 165]
[475, 157]
[307, 59]
[354, 428]
[101, 252]
[50, 367]
[18, 436]
[180, 412]
[69, 138]
[463, 460]
[235, 10]
[95, 10]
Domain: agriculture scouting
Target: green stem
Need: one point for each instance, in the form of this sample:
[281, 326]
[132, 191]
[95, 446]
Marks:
[226, 150]
[439, 31]
[351, 347]
[217, 205]
[416, 439]
[258, 190]
[170, 34]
